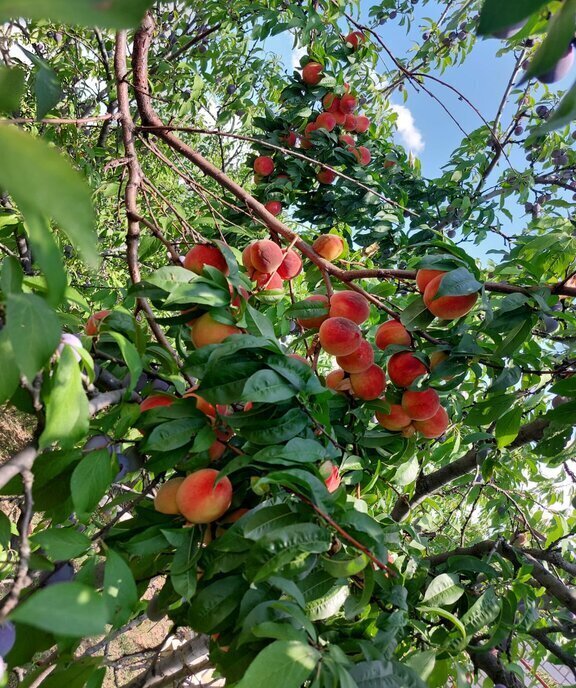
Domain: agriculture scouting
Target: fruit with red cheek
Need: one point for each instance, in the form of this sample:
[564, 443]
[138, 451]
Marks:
[340, 117]
[331, 102]
[362, 155]
[339, 336]
[200, 500]
[358, 360]
[424, 277]
[347, 140]
[291, 266]
[351, 305]
[236, 301]
[362, 124]
[388, 164]
[560, 69]
[331, 476]
[335, 378]
[326, 176]
[273, 207]
[355, 39]
[204, 254]
[266, 256]
[265, 281]
[306, 144]
[312, 73]
[447, 307]
[309, 128]
[350, 123]
[436, 358]
[206, 330]
[392, 332]
[290, 139]
[396, 419]
[92, 325]
[325, 120]
[408, 431]
[329, 246]
[263, 165]
[155, 400]
[165, 499]
[404, 368]
[201, 404]
[347, 104]
[369, 384]
[315, 321]
[247, 257]
[216, 450]
[420, 405]
[435, 426]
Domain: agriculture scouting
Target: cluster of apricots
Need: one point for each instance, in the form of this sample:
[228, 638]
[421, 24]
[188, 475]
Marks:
[269, 265]
[443, 307]
[199, 497]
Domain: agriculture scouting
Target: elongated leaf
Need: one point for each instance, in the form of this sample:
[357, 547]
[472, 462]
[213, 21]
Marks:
[444, 589]
[460, 282]
[482, 613]
[62, 543]
[120, 593]
[91, 478]
[268, 387]
[286, 663]
[215, 603]
[9, 377]
[183, 572]
[113, 14]
[507, 427]
[48, 91]
[47, 254]
[131, 356]
[173, 434]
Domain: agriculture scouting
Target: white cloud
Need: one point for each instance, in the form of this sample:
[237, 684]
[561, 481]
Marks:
[408, 133]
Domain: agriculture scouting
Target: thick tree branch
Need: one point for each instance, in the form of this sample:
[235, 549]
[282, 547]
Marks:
[555, 649]
[489, 662]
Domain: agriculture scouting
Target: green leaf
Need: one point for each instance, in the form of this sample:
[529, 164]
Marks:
[183, 570]
[407, 472]
[460, 282]
[507, 427]
[131, 356]
[173, 434]
[286, 663]
[67, 413]
[416, 315]
[215, 603]
[91, 479]
[47, 254]
[48, 91]
[372, 674]
[565, 413]
[497, 15]
[438, 611]
[280, 430]
[120, 593]
[422, 663]
[42, 180]
[482, 613]
[61, 544]
[33, 330]
[5, 530]
[266, 386]
[68, 609]
[9, 378]
[485, 412]
[11, 276]
[11, 88]
[325, 597]
[113, 14]
[444, 589]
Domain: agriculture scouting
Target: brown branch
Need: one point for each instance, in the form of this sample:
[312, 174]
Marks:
[60, 120]
[490, 663]
[555, 649]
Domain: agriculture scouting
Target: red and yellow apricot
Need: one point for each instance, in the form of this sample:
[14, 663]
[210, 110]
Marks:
[404, 368]
[354, 39]
[347, 104]
[362, 155]
[351, 305]
[350, 123]
[331, 475]
[291, 266]
[216, 450]
[329, 246]
[331, 102]
[268, 282]
[92, 326]
[392, 332]
[317, 320]
[200, 500]
[362, 124]
[420, 405]
[156, 400]
[326, 120]
[312, 73]
[206, 330]
[435, 426]
[201, 404]
[447, 307]
[263, 165]
[423, 277]
[339, 336]
[347, 140]
[326, 176]
[358, 360]
[436, 358]
[165, 499]
[204, 254]
[395, 419]
[369, 384]
[266, 256]
[335, 378]
[247, 257]
[273, 207]
[290, 139]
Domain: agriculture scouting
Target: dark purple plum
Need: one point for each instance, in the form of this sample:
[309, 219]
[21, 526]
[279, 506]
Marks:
[558, 401]
[561, 69]
[509, 31]
[7, 637]
[63, 574]
[550, 324]
[128, 462]
[97, 442]
[160, 385]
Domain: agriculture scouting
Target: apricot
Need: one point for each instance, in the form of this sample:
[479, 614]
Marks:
[247, 257]
[347, 140]
[305, 143]
[351, 305]
[317, 320]
[263, 165]
[326, 120]
[206, 330]
[369, 384]
[266, 281]
[201, 404]
[216, 450]
[331, 476]
[92, 325]
[331, 102]
[326, 176]
[165, 499]
[340, 117]
[204, 254]
[423, 277]
[362, 155]
[335, 378]
[155, 400]
[200, 500]
[358, 360]
[435, 426]
[273, 207]
[291, 266]
[392, 332]
[362, 124]
[447, 307]
[310, 127]
[347, 104]
[404, 368]
[312, 73]
[436, 358]
[266, 256]
[329, 246]
[408, 431]
[421, 405]
[354, 39]
[395, 419]
[350, 123]
[290, 139]
[340, 336]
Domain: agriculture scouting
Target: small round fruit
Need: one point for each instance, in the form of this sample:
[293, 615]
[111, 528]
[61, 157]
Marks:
[354, 39]
[291, 266]
[200, 499]
[335, 378]
[290, 139]
[203, 254]
[396, 419]
[436, 358]
[331, 475]
[362, 155]
[317, 320]
[351, 305]
[350, 123]
[92, 325]
[392, 332]
[424, 277]
[247, 257]
[348, 104]
[206, 330]
[447, 307]
[312, 73]
[326, 120]
[340, 336]
[359, 360]
[329, 246]
[165, 499]
[326, 176]
[435, 426]
[347, 140]
[421, 405]
[263, 165]
[362, 124]
[266, 256]
[273, 207]
[369, 384]
[404, 368]
[7, 637]
[155, 400]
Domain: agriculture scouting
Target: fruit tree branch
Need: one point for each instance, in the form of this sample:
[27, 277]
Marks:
[555, 649]
[490, 663]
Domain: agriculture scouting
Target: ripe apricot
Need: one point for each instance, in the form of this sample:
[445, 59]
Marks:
[317, 320]
[291, 266]
[155, 400]
[201, 404]
[290, 139]
[351, 305]
[409, 431]
[392, 332]
[165, 499]
[435, 426]
[421, 405]
[92, 325]
[329, 246]
[312, 73]
[362, 124]
[326, 120]
[358, 360]
[305, 143]
[206, 330]
[273, 207]
[404, 368]
[447, 307]
[436, 358]
[369, 384]
[362, 155]
[350, 123]
[247, 257]
[423, 277]
[354, 39]
[340, 117]
[216, 450]
[326, 176]
[266, 256]
[347, 104]
[335, 378]
[204, 254]
[347, 140]
[266, 281]
[200, 500]
[395, 419]
[340, 336]
[310, 127]
[331, 475]
[331, 102]
[263, 165]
